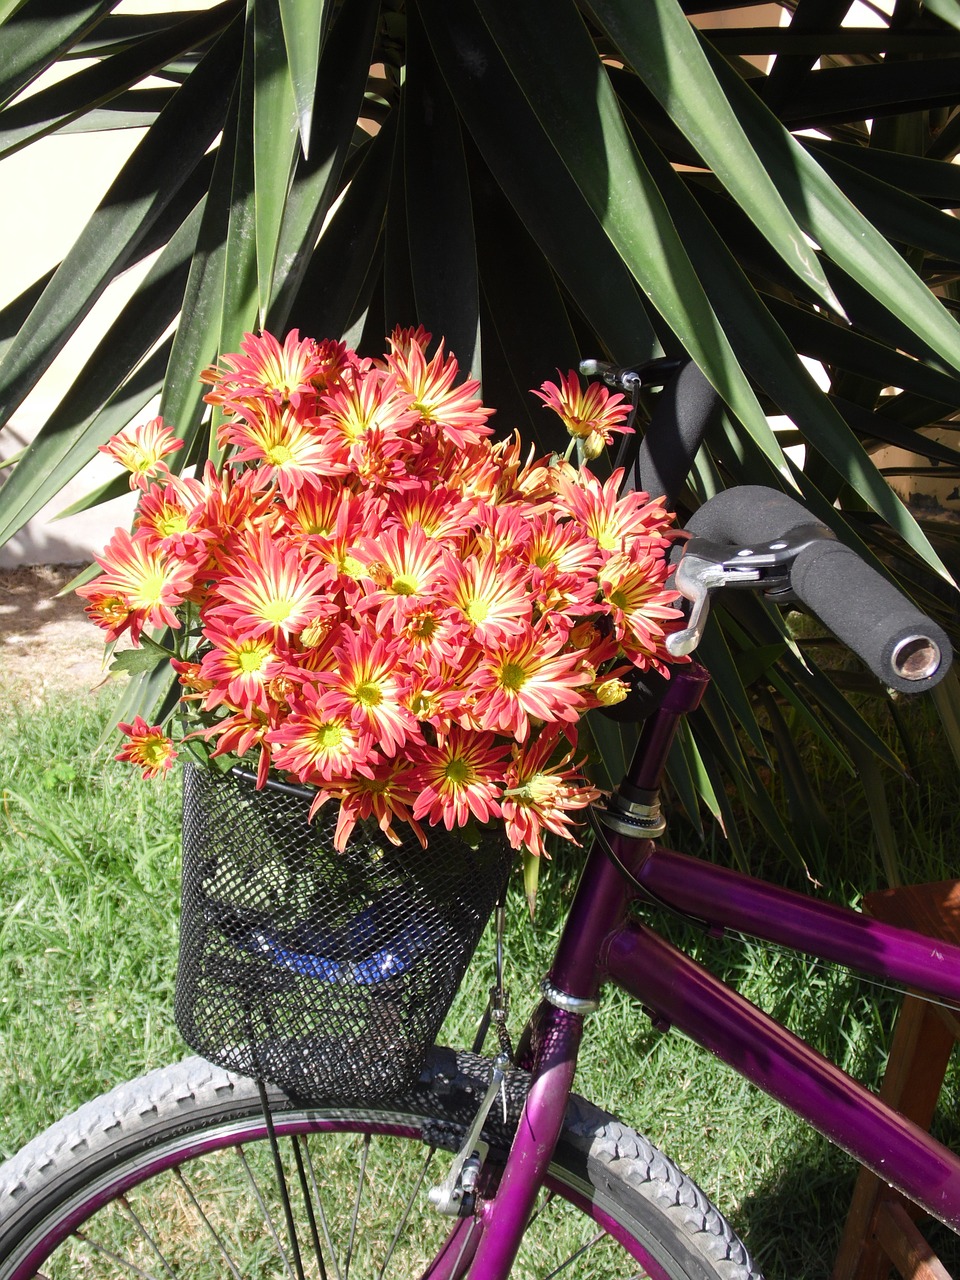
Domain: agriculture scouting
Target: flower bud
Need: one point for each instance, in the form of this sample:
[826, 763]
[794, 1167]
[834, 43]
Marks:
[610, 692]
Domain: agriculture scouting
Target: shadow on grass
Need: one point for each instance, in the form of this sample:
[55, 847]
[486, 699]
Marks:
[793, 1221]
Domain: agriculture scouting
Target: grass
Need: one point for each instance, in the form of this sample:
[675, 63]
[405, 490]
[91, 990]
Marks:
[88, 917]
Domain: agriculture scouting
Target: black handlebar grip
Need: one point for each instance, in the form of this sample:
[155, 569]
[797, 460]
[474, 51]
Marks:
[748, 513]
[684, 411]
[901, 646]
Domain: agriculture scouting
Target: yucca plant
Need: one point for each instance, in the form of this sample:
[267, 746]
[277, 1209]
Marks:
[536, 182]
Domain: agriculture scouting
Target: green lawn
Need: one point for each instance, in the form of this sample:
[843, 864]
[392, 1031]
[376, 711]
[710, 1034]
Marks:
[88, 909]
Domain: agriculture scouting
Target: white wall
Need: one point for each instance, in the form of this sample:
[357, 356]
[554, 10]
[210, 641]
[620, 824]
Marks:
[47, 193]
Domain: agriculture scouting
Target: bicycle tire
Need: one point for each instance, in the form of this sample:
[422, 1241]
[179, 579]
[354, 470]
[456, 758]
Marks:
[125, 1176]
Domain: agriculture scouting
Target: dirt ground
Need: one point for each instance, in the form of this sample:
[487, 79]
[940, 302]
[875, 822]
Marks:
[47, 643]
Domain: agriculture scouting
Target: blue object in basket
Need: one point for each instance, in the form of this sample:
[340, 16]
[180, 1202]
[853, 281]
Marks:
[413, 940]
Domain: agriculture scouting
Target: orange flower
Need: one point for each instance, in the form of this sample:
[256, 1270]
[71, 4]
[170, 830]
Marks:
[149, 747]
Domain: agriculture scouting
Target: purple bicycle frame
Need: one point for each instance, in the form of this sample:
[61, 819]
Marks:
[599, 944]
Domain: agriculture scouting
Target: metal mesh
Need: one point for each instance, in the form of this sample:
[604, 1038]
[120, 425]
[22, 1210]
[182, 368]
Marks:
[328, 973]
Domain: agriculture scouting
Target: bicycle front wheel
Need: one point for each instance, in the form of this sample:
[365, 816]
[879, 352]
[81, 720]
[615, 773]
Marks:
[173, 1175]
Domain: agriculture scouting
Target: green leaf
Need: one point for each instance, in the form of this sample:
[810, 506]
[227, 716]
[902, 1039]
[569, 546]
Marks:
[304, 23]
[554, 63]
[531, 880]
[660, 44]
[136, 201]
[347, 53]
[439, 211]
[96, 407]
[135, 662]
[536, 182]
[37, 32]
[844, 234]
[342, 272]
[948, 10]
[275, 139]
[44, 111]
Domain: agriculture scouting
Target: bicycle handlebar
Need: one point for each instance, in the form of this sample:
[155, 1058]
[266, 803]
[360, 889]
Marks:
[903, 648]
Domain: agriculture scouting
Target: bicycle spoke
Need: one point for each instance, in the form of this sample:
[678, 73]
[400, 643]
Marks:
[356, 1205]
[145, 1235]
[317, 1199]
[178, 1174]
[601, 1235]
[308, 1202]
[103, 1252]
[267, 1217]
[411, 1200]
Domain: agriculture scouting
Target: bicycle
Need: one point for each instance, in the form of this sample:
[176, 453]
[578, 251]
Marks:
[192, 1170]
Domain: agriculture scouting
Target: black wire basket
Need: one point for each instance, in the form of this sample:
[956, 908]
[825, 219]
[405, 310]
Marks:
[327, 973]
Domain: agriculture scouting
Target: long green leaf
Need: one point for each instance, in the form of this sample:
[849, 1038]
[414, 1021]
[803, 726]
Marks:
[36, 33]
[146, 186]
[43, 112]
[537, 183]
[72, 434]
[578, 111]
[343, 271]
[768, 355]
[304, 22]
[439, 212]
[659, 43]
[844, 234]
[948, 10]
[341, 78]
[276, 139]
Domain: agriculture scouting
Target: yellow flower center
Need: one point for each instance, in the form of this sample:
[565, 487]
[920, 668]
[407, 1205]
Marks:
[149, 589]
[277, 610]
[458, 772]
[477, 610]
[154, 751]
[368, 694]
[619, 599]
[278, 455]
[404, 585]
[329, 736]
[252, 659]
[512, 676]
[172, 522]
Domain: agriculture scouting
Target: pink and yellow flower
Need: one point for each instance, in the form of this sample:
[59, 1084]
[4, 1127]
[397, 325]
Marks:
[269, 590]
[366, 685]
[594, 412]
[376, 600]
[527, 679]
[539, 796]
[461, 777]
[148, 582]
[316, 746]
[142, 450]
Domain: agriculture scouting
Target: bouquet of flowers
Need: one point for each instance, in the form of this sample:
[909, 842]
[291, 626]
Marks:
[373, 598]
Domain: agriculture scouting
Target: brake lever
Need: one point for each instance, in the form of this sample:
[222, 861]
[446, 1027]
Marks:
[707, 565]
